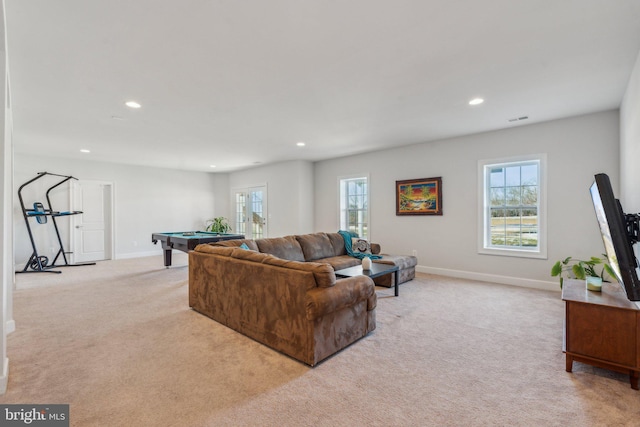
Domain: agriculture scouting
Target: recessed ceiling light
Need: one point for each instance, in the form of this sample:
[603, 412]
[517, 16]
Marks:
[300, 144]
[132, 104]
[212, 166]
[84, 150]
[476, 101]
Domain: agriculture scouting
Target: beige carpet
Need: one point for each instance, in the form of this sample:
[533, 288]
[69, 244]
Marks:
[118, 342]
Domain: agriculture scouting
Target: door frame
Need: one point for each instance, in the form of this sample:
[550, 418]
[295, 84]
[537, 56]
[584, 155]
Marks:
[109, 211]
[265, 204]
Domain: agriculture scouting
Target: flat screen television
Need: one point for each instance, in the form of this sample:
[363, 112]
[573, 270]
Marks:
[617, 237]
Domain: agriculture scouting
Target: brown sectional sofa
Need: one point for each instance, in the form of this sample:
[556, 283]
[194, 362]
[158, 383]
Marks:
[283, 292]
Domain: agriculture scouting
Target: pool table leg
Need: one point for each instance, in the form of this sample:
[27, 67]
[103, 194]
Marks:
[396, 281]
[167, 257]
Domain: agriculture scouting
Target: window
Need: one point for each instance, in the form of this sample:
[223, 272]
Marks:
[241, 212]
[354, 205]
[512, 208]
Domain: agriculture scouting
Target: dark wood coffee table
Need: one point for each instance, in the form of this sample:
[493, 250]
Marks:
[377, 270]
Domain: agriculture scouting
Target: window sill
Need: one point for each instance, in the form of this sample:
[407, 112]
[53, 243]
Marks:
[520, 253]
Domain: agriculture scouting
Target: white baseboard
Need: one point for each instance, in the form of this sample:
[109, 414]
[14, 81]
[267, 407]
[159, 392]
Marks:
[494, 278]
[4, 376]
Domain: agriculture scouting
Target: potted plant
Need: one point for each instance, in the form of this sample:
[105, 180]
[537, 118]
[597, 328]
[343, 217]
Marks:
[581, 269]
[218, 225]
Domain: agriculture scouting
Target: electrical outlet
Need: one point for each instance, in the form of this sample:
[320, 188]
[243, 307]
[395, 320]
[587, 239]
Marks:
[414, 253]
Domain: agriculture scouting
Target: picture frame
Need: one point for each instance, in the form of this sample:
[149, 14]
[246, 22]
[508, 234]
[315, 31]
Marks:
[419, 196]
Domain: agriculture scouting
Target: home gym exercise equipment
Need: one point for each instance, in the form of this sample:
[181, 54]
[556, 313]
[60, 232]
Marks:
[38, 263]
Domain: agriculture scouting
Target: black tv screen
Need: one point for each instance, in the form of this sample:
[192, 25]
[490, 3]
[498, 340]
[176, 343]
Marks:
[617, 242]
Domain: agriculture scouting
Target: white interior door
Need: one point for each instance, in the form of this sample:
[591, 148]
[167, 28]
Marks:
[91, 231]
[251, 212]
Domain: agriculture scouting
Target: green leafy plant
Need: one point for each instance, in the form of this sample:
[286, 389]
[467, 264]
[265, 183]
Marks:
[581, 269]
[218, 225]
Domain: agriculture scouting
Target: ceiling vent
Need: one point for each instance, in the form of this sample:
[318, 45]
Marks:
[517, 119]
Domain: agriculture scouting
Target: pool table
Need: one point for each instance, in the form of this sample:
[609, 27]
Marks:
[186, 241]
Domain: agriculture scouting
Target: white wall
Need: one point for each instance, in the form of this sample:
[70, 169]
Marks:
[147, 200]
[289, 191]
[576, 148]
[630, 143]
[630, 147]
[222, 196]
[6, 250]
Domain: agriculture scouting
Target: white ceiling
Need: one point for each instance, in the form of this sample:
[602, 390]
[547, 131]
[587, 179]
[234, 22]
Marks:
[238, 83]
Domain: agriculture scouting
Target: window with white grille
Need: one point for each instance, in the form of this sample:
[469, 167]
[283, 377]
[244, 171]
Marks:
[512, 207]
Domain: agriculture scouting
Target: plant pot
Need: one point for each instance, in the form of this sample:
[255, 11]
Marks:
[594, 283]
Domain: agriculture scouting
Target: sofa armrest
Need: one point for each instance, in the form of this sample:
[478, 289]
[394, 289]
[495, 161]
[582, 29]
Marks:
[346, 293]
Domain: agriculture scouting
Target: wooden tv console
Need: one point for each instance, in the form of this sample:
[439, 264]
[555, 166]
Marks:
[602, 328]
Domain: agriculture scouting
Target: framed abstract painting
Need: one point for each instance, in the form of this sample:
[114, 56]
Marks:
[419, 196]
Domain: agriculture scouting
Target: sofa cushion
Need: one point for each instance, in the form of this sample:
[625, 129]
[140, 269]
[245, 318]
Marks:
[283, 247]
[237, 242]
[402, 261]
[340, 262]
[315, 246]
[254, 256]
[212, 249]
[337, 241]
[323, 273]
